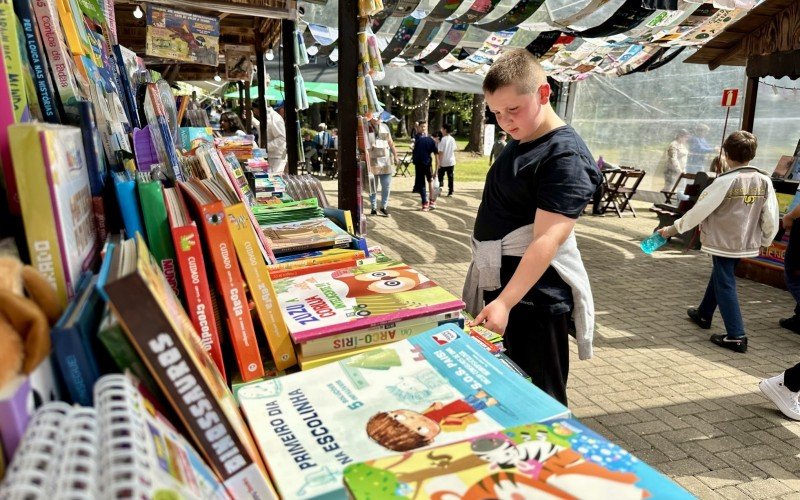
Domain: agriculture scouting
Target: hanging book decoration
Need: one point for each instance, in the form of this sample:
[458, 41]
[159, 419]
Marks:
[182, 36]
[374, 107]
[369, 7]
[238, 65]
[375, 62]
[300, 92]
[300, 54]
[363, 102]
[363, 54]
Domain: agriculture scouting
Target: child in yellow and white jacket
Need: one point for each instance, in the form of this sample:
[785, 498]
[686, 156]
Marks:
[737, 214]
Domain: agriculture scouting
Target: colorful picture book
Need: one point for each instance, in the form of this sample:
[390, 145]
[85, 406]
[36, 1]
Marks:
[309, 234]
[435, 388]
[558, 459]
[377, 292]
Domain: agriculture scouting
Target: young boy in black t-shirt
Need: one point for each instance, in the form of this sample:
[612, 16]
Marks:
[534, 192]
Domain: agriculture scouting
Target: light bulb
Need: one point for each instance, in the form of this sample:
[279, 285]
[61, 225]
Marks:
[312, 51]
[334, 55]
[217, 78]
[138, 14]
[269, 55]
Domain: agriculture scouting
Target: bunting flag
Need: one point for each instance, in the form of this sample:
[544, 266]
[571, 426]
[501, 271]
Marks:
[543, 43]
[404, 8]
[711, 27]
[378, 19]
[448, 43]
[628, 16]
[443, 10]
[521, 11]
[423, 39]
[699, 16]
[660, 4]
[585, 12]
[476, 12]
[400, 38]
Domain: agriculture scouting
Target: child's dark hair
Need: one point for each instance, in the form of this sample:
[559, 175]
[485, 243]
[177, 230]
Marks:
[447, 128]
[393, 435]
[233, 119]
[740, 146]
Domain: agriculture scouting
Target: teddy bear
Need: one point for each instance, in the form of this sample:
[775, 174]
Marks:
[29, 306]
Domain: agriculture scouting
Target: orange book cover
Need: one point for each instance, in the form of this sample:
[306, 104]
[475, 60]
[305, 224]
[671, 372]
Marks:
[228, 276]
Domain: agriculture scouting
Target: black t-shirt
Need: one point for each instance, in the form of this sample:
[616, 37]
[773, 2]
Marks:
[555, 173]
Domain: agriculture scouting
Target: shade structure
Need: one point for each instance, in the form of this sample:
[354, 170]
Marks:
[273, 93]
[320, 90]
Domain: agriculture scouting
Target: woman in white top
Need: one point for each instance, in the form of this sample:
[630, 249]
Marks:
[677, 153]
[381, 165]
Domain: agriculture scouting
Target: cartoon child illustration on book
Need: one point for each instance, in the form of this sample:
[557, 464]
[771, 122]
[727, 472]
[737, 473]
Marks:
[404, 430]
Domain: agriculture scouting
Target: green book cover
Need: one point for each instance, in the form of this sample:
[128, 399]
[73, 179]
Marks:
[156, 225]
[122, 351]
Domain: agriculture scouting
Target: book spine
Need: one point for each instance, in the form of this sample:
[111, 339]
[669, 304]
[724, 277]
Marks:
[9, 39]
[159, 239]
[55, 50]
[71, 29]
[7, 119]
[15, 416]
[229, 279]
[313, 268]
[260, 286]
[126, 88]
[128, 205]
[74, 364]
[383, 334]
[36, 206]
[223, 444]
[36, 58]
[368, 322]
[192, 269]
[124, 354]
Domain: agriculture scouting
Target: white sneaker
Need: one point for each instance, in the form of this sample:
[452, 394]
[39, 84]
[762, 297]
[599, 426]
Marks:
[784, 399]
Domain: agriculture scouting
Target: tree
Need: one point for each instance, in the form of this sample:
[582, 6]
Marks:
[476, 129]
[420, 96]
[437, 114]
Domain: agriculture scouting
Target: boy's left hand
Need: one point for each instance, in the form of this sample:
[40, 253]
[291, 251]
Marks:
[494, 317]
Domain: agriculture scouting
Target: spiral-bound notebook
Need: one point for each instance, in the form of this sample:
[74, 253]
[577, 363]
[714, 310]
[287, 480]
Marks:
[122, 448]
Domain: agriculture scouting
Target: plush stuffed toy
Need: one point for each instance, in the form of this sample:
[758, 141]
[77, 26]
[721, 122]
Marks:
[29, 306]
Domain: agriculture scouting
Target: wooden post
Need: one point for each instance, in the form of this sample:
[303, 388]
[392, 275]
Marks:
[248, 109]
[750, 98]
[240, 88]
[290, 101]
[349, 175]
[262, 94]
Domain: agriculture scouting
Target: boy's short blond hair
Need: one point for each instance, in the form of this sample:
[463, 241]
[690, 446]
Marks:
[516, 67]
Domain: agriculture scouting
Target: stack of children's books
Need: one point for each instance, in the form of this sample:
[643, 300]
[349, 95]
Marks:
[376, 301]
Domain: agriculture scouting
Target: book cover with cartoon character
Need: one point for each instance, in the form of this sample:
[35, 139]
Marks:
[383, 291]
[558, 459]
[436, 388]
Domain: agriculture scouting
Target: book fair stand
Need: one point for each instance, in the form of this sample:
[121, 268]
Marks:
[182, 321]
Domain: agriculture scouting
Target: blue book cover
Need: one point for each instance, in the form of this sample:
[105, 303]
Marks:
[93, 146]
[557, 459]
[128, 200]
[73, 347]
[435, 388]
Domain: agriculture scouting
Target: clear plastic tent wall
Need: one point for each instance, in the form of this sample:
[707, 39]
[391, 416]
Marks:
[631, 120]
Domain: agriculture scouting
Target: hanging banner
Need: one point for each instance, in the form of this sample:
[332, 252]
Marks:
[443, 10]
[400, 39]
[489, 51]
[423, 39]
[711, 27]
[238, 65]
[543, 43]
[476, 12]
[700, 15]
[585, 12]
[323, 35]
[660, 4]
[378, 19]
[182, 36]
[521, 11]
[448, 43]
[627, 17]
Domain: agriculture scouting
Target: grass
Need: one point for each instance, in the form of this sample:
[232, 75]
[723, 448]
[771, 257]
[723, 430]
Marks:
[469, 166]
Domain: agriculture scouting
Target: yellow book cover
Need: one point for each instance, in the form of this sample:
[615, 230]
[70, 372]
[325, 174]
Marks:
[260, 285]
[309, 362]
[9, 39]
[325, 257]
[56, 202]
[68, 14]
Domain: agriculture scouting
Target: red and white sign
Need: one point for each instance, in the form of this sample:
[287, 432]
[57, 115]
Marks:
[729, 97]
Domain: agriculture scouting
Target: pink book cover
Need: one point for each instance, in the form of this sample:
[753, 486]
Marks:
[373, 293]
[6, 119]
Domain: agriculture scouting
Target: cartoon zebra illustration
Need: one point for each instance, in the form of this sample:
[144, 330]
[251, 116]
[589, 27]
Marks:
[504, 454]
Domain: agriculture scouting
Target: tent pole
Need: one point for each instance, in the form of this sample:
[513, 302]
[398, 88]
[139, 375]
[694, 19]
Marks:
[349, 178]
[289, 89]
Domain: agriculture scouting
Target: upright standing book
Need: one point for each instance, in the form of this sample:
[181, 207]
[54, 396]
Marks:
[560, 458]
[55, 197]
[166, 341]
[159, 238]
[194, 278]
[221, 253]
[436, 388]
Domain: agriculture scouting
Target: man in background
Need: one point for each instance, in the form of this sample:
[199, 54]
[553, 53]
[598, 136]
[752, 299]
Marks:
[498, 147]
[446, 159]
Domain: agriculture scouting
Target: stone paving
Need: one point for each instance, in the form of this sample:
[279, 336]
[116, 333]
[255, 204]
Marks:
[656, 385]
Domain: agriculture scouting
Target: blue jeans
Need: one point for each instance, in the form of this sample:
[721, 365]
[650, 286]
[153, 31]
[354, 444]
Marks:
[385, 181]
[721, 291]
[791, 264]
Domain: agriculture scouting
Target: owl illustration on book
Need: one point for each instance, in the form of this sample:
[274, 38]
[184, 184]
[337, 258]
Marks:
[382, 291]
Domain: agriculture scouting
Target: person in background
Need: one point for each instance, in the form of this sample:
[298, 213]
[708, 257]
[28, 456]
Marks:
[791, 268]
[276, 139]
[414, 131]
[498, 147]
[699, 150]
[446, 159]
[739, 215]
[424, 146]
[382, 160]
[677, 154]
[784, 390]
[230, 124]
[534, 192]
[324, 141]
[335, 138]
[310, 152]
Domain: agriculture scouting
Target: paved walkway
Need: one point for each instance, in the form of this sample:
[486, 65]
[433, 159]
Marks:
[656, 385]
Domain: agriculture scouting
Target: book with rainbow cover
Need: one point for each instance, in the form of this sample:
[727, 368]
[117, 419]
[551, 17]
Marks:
[561, 458]
[377, 291]
[433, 389]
